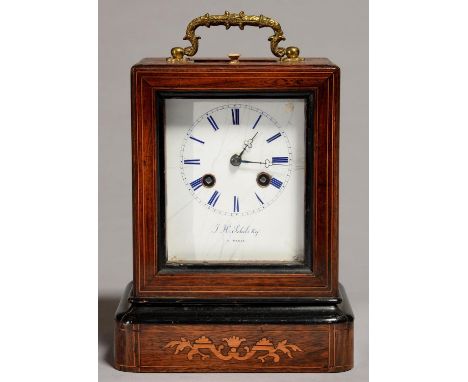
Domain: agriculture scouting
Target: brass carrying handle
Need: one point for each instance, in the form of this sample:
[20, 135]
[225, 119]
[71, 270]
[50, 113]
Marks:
[289, 54]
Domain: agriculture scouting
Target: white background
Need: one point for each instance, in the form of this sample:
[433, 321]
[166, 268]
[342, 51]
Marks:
[418, 190]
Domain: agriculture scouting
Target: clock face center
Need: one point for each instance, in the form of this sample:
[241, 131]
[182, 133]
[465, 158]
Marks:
[235, 160]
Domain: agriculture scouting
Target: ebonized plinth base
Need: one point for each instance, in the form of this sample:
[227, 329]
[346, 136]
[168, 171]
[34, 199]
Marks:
[233, 337]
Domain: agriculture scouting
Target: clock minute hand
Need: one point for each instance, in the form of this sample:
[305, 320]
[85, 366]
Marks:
[267, 163]
[236, 160]
[249, 143]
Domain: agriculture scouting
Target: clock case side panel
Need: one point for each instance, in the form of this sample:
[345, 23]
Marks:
[153, 283]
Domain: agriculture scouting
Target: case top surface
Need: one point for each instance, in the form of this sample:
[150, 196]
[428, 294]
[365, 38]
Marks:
[243, 62]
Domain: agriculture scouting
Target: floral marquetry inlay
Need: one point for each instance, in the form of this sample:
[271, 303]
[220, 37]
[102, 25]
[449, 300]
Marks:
[230, 349]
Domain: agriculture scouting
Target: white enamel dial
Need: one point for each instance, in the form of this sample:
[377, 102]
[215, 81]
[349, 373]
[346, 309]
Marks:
[236, 159]
[235, 180]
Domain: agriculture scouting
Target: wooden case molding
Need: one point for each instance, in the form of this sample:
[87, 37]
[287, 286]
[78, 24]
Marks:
[317, 77]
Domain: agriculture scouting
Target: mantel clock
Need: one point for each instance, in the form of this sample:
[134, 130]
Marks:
[235, 214]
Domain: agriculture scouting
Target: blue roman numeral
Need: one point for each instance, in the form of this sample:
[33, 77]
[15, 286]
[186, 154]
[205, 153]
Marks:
[278, 160]
[258, 197]
[235, 116]
[196, 184]
[256, 122]
[198, 140]
[271, 139]
[236, 204]
[191, 161]
[275, 182]
[214, 198]
[213, 123]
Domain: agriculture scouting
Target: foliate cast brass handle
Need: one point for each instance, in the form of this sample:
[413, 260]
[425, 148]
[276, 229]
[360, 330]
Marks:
[289, 54]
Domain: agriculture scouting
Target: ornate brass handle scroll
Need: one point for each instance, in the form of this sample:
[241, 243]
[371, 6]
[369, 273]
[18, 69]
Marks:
[289, 54]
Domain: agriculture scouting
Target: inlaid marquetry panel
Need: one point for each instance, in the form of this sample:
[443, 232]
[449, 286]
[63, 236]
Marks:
[229, 348]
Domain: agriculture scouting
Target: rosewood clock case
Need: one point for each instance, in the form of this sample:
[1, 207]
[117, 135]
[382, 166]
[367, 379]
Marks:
[176, 317]
[316, 80]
